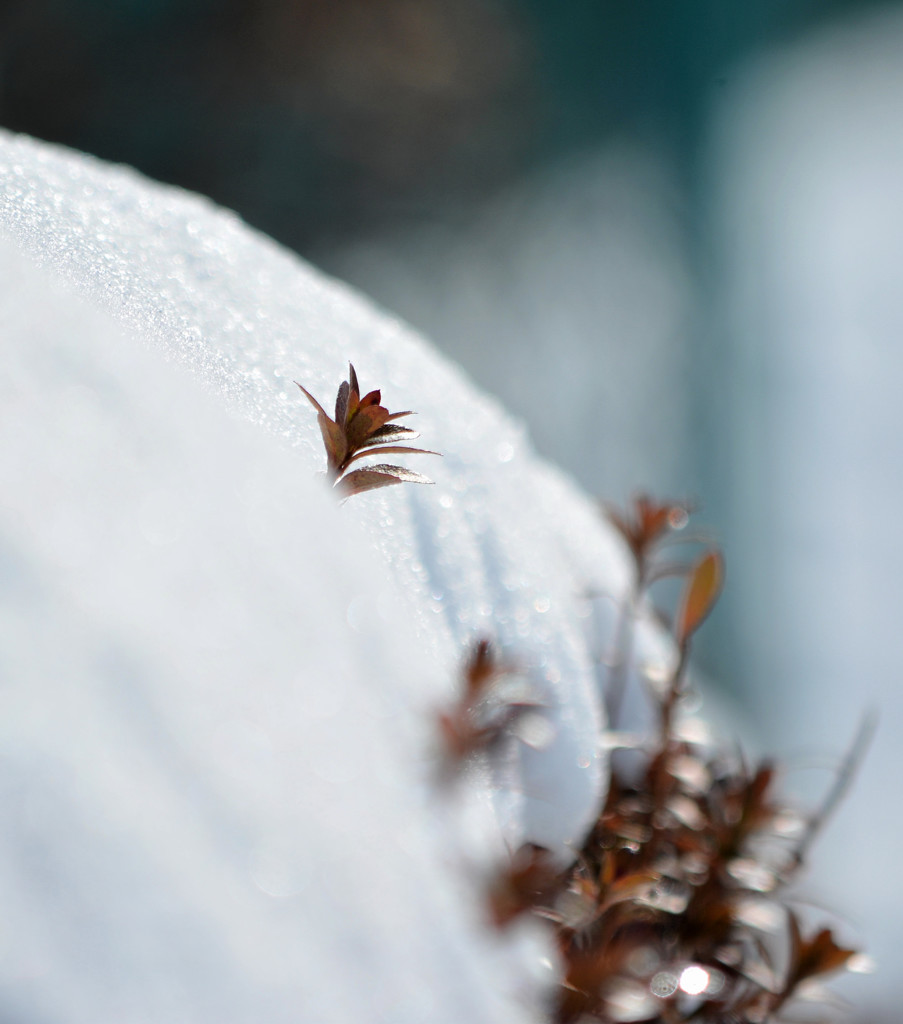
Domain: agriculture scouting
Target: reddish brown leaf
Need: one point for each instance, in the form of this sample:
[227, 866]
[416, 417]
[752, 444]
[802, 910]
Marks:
[700, 594]
[531, 880]
[647, 524]
[631, 886]
[360, 480]
[481, 670]
[810, 958]
[364, 480]
[402, 474]
[821, 955]
[373, 398]
[341, 404]
[390, 448]
[654, 519]
[334, 440]
[484, 715]
[363, 423]
[390, 433]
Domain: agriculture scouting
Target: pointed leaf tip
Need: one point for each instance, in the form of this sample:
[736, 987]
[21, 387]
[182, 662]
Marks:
[401, 474]
[341, 404]
[312, 400]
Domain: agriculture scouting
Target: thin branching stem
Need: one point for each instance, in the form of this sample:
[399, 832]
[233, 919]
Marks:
[848, 770]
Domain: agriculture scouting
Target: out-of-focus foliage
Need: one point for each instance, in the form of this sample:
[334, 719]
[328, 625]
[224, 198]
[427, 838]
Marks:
[485, 714]
[677, 905]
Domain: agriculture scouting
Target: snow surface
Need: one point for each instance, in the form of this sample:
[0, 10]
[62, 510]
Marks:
[218, 686]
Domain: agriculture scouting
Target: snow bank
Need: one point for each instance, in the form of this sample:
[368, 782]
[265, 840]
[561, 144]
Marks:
[218, 686]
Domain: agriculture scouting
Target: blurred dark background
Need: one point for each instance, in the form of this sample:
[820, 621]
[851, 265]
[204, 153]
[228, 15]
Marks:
[322, 120]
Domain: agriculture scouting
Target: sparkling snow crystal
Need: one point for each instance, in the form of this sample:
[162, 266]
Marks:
[219, 687]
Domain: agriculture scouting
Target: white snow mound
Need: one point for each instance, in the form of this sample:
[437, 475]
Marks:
[219, 687]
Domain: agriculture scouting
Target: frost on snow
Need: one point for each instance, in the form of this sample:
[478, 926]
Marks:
[220, 688]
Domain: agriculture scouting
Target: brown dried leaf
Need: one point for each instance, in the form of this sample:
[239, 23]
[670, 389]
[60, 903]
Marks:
[390, 449]
[531, 880]
[403, 475]
[390, 433]
[630, 887]
[333, 440]
[341, 404]
[700, 594]
[485, 714]
[653, 517]
[757, 808]
[481, 670]
[364, 480]
[812, 957]
[373, 477]
[809, 958]
[363, 423]
[647, 523]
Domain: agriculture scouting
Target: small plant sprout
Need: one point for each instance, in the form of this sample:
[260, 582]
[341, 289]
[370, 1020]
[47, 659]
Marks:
[363, 427]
